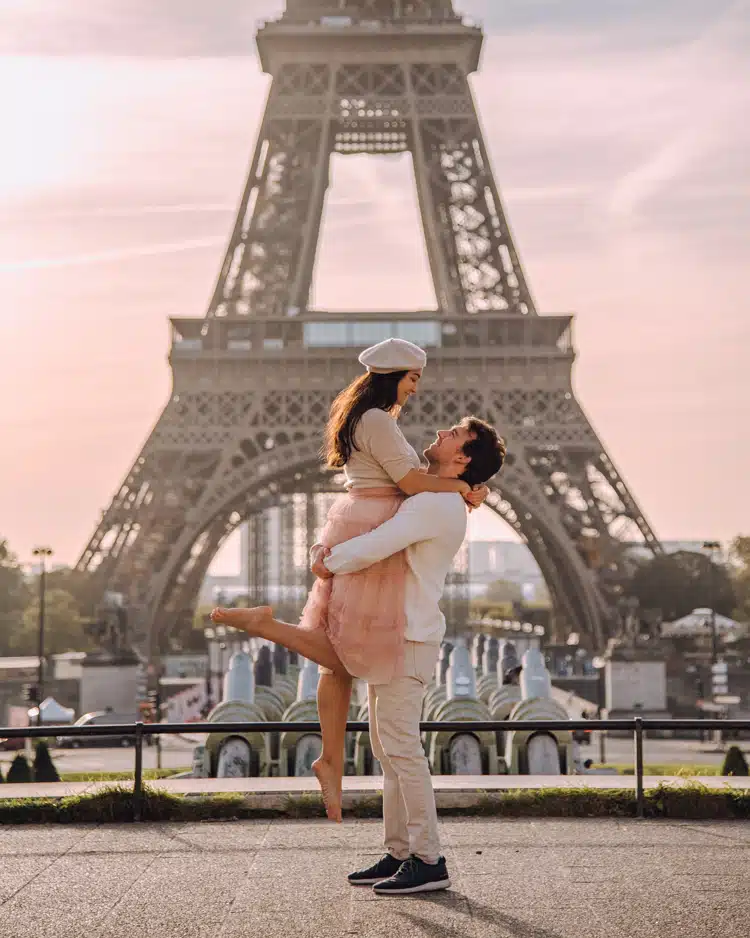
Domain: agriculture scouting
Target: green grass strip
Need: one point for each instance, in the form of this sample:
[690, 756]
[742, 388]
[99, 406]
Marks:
[677, 769]
[115, 804]
[148, 775]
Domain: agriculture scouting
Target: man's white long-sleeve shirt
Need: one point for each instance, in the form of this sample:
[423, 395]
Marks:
[431, 527]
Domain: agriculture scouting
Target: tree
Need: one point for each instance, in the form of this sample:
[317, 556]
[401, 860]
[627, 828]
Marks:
[187, 634]
[734, 763]
[44, 767]
[14, 597]
[81, 586]
[63, 630]
[740, 558]
[677, 583]
[19, 771]
[503, 591]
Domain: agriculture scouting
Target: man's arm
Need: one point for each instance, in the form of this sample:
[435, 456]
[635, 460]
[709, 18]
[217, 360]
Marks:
[420, 518]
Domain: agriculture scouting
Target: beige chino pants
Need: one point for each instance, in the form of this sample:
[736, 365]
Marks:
[409, 813]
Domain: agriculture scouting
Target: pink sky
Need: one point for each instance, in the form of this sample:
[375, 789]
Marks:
[621, 147]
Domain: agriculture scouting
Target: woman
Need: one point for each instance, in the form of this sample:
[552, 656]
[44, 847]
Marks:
[354, 625]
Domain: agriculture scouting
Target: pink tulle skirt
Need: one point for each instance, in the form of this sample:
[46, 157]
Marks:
[362, 613]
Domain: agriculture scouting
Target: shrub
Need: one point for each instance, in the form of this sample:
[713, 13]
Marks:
[115, 804]
[734, 762]
[44, 767]
[19, 771]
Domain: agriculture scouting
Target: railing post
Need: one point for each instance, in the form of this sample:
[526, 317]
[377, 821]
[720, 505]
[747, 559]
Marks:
[639, 799]
[138, 773]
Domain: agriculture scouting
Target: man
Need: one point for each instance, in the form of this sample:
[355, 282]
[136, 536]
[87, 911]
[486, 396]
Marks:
[431, 527]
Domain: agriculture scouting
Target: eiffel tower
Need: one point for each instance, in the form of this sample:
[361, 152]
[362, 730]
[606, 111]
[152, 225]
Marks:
[253, 380]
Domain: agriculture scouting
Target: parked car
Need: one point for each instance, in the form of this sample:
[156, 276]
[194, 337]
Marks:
[99, 718]
[10, 744]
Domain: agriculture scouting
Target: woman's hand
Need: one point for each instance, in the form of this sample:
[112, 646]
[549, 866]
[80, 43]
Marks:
[318, 568]
[476, 496]
[464, 490]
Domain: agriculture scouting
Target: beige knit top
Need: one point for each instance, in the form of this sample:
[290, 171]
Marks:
[383, 456]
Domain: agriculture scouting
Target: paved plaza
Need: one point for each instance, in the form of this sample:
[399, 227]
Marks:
[274, 879]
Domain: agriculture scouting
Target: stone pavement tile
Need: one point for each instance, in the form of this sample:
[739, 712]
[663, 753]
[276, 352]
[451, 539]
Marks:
[369, 834]
[535, 911]
[172, 838]
[221, 836]
[16, 872]
[31, 840]
[199, 885]
[712, 857]
[498, 919]
[574, 832]
[125, 838]
[283, 878]
[294, 910]
[181, 923]
[704, 831]
[274, 893]
[311, 834]
[334, 864]
[439, 915]
[650, 902]
[679, 915]
[508, 866]
[70, 896]
[648, 892]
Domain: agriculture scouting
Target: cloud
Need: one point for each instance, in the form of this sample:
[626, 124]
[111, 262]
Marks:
[659, 170]
[635, 23]
[128, 211]
[167, 28]
[107, 257]
[700, 120]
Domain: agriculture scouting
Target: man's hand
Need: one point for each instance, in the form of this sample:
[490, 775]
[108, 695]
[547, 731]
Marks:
[476, 496]
[318, 568]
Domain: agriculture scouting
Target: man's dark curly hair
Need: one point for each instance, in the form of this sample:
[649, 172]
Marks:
[486, 449]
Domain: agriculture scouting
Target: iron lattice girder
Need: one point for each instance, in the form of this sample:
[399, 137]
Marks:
[315, 109]
[251, 393]
[256, 446]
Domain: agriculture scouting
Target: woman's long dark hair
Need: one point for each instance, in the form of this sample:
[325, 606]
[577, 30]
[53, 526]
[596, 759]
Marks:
[367, 392]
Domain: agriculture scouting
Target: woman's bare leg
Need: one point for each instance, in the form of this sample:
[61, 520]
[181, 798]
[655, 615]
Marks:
[334, 690]
[334, 695]
[260, 623]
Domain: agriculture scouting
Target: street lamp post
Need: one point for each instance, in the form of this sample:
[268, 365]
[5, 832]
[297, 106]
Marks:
[42, 553]
[713, 547]
[221, 636]
[210, 637]
[600, 664]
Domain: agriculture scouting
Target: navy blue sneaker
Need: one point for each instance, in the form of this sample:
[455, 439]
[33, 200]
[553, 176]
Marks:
[414, 875]
[386, 867]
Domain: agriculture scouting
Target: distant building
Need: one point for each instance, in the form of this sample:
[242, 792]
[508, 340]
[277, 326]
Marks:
[488, 561]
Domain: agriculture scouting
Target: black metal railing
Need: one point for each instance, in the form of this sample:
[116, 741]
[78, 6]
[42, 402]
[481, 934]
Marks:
[637, 726]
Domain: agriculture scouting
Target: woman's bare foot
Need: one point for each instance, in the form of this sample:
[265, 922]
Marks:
[330, 786]
[247, 620]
